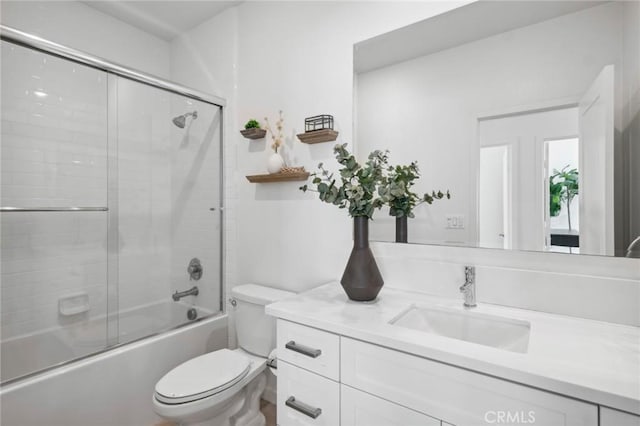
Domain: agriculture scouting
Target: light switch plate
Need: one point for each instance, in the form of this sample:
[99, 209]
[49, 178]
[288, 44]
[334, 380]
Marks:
[455, 221]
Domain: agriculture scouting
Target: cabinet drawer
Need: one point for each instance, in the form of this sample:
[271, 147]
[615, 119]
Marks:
[609, 417]
[309, 348]
[303, 395]
[453, 394]
[361, 409]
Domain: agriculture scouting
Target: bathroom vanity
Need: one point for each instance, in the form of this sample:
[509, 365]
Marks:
[414, 359]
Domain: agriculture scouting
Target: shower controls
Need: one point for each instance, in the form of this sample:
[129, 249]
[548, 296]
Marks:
[192, 314]
[194, 269]
[193, 291]
[181, 120]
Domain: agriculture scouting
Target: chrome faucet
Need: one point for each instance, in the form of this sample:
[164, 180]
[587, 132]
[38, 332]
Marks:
[469, 286]
[193, 291]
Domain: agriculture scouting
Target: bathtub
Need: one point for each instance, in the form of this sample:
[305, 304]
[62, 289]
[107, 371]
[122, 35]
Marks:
[110, 388]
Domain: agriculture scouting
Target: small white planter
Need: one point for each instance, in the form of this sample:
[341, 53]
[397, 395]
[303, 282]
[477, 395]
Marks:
[275, 163]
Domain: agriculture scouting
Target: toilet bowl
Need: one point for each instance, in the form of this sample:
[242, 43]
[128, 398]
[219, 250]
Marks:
[224, 387]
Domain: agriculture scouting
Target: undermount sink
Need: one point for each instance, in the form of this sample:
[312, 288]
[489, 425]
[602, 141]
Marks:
[484, 329]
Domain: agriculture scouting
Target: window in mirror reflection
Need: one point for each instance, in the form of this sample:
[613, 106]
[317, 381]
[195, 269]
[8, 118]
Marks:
[563, 191]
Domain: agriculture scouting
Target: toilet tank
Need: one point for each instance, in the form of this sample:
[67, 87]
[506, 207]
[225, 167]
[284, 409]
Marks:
[256, 332]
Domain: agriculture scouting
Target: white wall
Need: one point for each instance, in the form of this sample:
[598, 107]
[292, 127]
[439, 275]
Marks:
[298, 57]
[275, 234]
[262, 57]
[631, 123]
[425, 108]
[74, 24]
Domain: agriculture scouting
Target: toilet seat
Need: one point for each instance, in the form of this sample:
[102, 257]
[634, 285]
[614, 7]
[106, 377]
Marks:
[202, 377]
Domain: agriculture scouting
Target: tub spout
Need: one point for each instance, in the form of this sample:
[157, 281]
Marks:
[193, 291]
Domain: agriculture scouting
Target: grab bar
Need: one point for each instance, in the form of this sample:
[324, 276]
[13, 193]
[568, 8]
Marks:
[53, 209]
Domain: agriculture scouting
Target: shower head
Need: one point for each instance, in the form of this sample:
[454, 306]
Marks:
[181, 120]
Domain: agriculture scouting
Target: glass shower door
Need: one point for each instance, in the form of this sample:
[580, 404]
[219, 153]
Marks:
[53, 228]
[168, 194]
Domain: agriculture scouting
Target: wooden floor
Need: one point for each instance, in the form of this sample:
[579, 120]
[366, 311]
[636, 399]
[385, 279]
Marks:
[267, 408]
[269, 411]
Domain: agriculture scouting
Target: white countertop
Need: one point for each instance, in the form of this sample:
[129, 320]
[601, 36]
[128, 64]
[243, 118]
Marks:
[589, 360]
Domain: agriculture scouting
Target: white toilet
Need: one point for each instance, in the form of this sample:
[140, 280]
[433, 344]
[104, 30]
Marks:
[224, 387]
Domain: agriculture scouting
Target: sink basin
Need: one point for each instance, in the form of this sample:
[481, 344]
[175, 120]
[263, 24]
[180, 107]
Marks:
[484, 329]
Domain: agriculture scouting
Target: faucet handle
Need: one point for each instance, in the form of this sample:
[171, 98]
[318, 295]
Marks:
[469, 274]
[194, 269]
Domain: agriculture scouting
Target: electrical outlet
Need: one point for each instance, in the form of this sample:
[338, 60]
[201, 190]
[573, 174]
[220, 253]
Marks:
[455, 221]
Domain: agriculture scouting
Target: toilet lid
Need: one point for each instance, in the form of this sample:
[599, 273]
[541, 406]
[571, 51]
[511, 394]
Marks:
[203, 376]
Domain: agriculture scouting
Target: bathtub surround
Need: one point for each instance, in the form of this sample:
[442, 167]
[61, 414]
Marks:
[116, 145]
[121, 397]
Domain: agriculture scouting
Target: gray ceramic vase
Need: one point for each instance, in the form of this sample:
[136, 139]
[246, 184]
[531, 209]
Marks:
[361, 279]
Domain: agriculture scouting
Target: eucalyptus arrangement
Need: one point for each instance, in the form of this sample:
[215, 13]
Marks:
[275, 162]
[357, 189]
[396, 192]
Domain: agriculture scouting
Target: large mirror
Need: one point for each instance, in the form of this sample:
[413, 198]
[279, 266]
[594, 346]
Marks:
[527, 112]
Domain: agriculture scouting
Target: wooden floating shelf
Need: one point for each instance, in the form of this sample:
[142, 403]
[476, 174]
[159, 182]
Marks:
[253, 133]
[318, 136]
[278, 177]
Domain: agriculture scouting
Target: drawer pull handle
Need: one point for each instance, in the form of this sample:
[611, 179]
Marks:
[305, 409]
[304, 350]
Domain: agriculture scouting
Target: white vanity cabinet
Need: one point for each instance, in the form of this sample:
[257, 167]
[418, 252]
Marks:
[453, 394]
[331, 380]
[308, 376]
[358, 408]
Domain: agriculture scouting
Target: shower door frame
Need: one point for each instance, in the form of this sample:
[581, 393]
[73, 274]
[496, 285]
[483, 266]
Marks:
[114, 70]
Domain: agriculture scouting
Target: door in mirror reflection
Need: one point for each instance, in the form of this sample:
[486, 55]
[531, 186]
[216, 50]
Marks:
[494, 215]
[512, 187]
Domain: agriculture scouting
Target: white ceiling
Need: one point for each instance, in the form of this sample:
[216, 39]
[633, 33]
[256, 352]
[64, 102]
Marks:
[162, 18]
[462, 25]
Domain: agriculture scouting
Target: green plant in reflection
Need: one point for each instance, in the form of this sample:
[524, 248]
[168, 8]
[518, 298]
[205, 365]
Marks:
[396, 192]
[563, 187]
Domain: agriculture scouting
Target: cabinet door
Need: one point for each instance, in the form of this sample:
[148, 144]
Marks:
[455, 395]
[306, 399]
[609, 417]
[361, 409]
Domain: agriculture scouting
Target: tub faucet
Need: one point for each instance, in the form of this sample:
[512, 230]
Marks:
[469, 286]
[193, 291]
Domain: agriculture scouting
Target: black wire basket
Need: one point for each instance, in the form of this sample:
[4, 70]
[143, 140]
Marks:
[318, 122]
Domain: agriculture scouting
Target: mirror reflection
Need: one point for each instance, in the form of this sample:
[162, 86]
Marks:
[527, 112]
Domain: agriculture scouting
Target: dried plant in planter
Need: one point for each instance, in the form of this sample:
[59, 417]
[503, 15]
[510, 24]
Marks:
[275, 162]
[277, 139]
